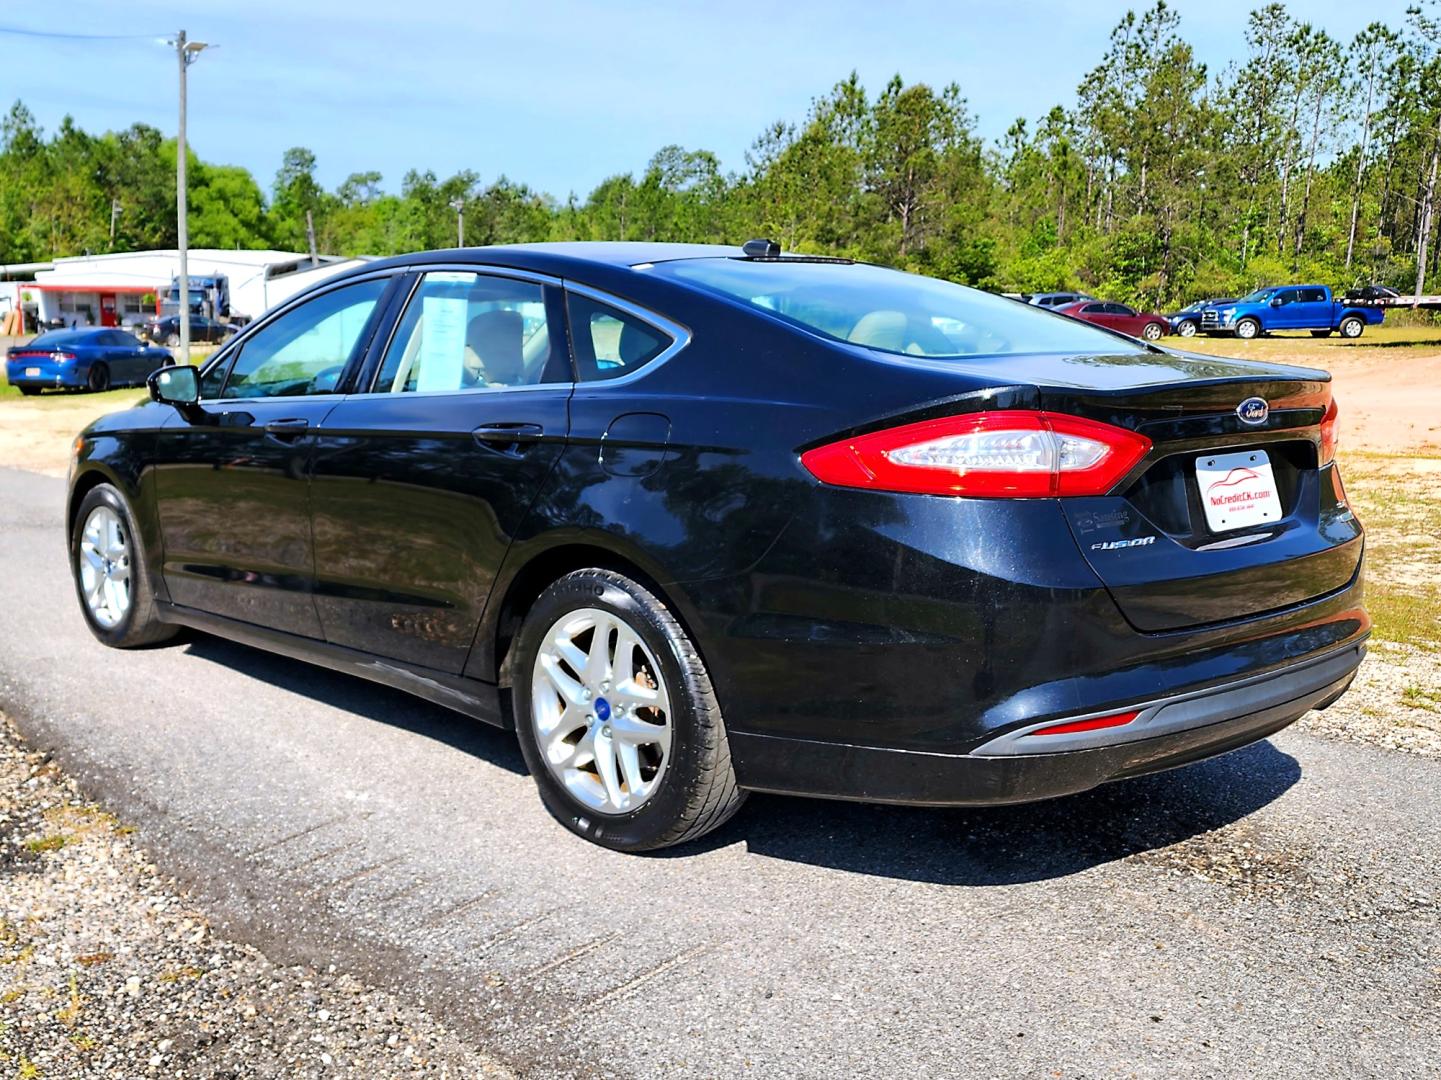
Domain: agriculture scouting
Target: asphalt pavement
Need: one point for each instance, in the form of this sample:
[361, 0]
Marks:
[1270, 913]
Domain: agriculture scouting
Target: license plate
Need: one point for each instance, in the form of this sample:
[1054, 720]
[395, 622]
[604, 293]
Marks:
[1237, 490]
[32, 372]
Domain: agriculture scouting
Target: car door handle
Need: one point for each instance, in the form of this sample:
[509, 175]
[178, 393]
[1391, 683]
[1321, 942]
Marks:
[507, 434]
[287, 430]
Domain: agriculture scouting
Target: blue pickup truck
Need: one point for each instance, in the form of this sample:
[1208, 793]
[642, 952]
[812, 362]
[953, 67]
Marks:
[1289, 307]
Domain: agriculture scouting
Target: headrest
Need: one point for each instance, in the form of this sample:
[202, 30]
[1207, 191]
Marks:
[498, 339]
[880, 330]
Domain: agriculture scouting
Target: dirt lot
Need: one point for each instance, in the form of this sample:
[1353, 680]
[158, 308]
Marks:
[1388, 383]
[36, 432]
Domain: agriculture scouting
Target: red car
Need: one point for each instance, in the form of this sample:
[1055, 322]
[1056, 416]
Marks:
[1112, 316]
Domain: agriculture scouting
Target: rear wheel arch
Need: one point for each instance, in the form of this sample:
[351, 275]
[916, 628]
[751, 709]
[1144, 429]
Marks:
[536, 575]
[1348, 316]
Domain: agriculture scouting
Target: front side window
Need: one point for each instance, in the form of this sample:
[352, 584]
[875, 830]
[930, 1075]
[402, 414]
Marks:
[609, 342]
[212, 379]
[469, 331]
[891, 311]
[306, 350]
[1286, 296]
[1119, 309]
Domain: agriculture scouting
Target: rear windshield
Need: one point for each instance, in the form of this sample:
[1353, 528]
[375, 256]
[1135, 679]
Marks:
[892, 311]
[59, 337]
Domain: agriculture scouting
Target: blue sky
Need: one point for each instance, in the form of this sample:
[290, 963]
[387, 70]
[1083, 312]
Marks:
[558, 94]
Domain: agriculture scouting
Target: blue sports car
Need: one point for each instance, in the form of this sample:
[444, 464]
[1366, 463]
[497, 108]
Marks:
[82, 360]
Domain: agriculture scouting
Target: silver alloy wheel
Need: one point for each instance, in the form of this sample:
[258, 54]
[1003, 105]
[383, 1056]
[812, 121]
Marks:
[104, 563]
[1351, 328]
[1246, 328]
[1151, 331]
[1187, 329]
[601, 711]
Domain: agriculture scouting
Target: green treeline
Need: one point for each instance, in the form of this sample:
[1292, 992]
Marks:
[1306, 158]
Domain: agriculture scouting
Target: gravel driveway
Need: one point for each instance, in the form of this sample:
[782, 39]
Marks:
[1270, 913]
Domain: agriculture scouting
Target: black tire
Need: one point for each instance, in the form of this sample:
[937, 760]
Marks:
[99, 379]
[697, 791]
[173, 340]
[1248, 328]
[29, 391]
[1320, 333]
[1352, 326]
[141, 624]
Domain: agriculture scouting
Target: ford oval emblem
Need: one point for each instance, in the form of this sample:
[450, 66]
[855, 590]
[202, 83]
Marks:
[1253, 410]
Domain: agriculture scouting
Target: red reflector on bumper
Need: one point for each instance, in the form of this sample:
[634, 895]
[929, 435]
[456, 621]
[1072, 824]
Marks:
[1070, 726]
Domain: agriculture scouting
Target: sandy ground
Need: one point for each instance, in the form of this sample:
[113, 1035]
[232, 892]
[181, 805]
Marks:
[38, 436]
[1387, 383]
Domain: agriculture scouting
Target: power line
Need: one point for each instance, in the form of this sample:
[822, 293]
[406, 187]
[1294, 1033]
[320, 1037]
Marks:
[22, 31]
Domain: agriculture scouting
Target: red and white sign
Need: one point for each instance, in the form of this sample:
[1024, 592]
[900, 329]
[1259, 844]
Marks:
[1237, 490]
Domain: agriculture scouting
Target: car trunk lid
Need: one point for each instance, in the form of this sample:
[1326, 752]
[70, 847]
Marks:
[1167, 562]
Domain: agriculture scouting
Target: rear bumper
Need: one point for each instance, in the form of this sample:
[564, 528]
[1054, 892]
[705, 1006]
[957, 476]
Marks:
[1020, 767]
[49, 374]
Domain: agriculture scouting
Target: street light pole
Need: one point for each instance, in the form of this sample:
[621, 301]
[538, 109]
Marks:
[187, 51]
[458, 205]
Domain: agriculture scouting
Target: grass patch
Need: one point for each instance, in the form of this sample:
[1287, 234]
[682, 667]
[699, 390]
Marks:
[1402, 617]
[48, 843]
[188, 972]
[1420, 697]
[1394, 496]
[1300, 347]
[53, 399]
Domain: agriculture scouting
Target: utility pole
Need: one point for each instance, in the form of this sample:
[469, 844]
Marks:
[186, 51]
[115, 209]
[310, 237]
[458, 205]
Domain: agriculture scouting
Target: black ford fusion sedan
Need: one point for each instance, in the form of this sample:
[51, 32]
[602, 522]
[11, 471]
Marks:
[697, 521]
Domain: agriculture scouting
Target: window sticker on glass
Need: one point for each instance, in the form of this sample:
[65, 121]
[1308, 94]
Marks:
[442, 346]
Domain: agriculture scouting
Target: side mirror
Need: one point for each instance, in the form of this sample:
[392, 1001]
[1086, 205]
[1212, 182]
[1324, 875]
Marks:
[179, 386]
[1276, 302]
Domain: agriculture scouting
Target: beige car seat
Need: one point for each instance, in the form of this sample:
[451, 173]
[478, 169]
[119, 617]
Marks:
[495, 349]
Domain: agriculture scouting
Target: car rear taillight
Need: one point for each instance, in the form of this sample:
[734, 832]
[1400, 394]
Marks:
[64, 357]
[1009, 454]
[1329, 434]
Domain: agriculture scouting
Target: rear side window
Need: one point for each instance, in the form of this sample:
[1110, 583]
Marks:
[469, 331]
[1094, 309]
[306, 350]
[609, 342]
[1313, 296]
